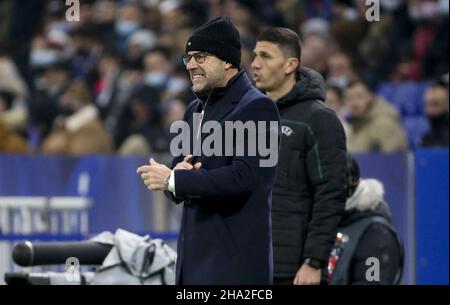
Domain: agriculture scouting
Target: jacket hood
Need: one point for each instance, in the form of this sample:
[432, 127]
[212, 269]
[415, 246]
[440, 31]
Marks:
[368, 200]
[310, 86]
[367, 195]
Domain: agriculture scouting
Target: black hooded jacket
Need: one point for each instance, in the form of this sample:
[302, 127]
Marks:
[378, 240]
[438, 135]
[309, 193]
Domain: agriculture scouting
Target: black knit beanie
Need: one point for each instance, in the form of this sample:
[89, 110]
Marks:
[219, 37]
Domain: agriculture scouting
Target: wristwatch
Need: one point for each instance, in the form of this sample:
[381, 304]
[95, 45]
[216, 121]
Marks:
[314, 263]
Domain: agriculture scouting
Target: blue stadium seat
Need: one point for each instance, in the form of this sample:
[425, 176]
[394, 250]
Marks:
[386, 90]
[415, 128]
[406, 97]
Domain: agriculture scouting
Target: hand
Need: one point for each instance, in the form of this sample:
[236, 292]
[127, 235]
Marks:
[307, 275]
[154, 175]
[186, 164]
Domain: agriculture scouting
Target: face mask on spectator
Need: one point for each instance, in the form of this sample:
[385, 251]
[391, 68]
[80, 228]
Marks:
[350, 14]
[338, 81]
[60, 26]
[43, 57]
[390, 5]
[156, 79]
[125, 28]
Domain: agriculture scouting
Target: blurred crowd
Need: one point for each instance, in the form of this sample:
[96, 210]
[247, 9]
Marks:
[114, 81]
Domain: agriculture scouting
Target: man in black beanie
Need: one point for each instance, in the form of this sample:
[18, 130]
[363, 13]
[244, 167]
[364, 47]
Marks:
[225, 235]
[218, 38]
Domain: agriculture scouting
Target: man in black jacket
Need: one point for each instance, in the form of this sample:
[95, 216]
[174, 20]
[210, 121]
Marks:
[309, 193]
[436, 109]
[368, 248]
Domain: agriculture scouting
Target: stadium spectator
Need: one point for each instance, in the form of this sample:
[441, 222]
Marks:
[173, 110]
[139, 43]
[349, 26]
[315, 51]
[89, 49]
[139, 130]
[106, 85]
[340, 70]
[15, 116]
[10, 141]
[79, 130]
[128, 20]
[158, 71]
[436, 109]
[49, 83]
[316, 44]
[335, 99]
[129, 78]
[374, 122]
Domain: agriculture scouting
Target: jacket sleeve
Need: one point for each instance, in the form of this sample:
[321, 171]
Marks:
[241, 176]
[326, 174]
[178, 159]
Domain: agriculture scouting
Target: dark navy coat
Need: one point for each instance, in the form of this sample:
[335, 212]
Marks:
[225, 235]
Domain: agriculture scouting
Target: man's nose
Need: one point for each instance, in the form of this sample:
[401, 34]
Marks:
[192, 64]
[255, 64]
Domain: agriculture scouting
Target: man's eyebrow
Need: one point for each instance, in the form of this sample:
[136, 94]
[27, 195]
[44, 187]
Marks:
[264, 53]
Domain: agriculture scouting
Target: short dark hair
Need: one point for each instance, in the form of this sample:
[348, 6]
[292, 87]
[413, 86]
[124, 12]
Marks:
[353, 175]
[285, 38]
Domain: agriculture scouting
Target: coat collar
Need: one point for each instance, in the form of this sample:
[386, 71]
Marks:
[310, 86]
[224, 99]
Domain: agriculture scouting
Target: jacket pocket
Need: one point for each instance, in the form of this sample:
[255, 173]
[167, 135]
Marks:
[224, 235]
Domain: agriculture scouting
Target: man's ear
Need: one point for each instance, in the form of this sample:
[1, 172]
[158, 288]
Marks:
[228, 65]
[292, 65]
